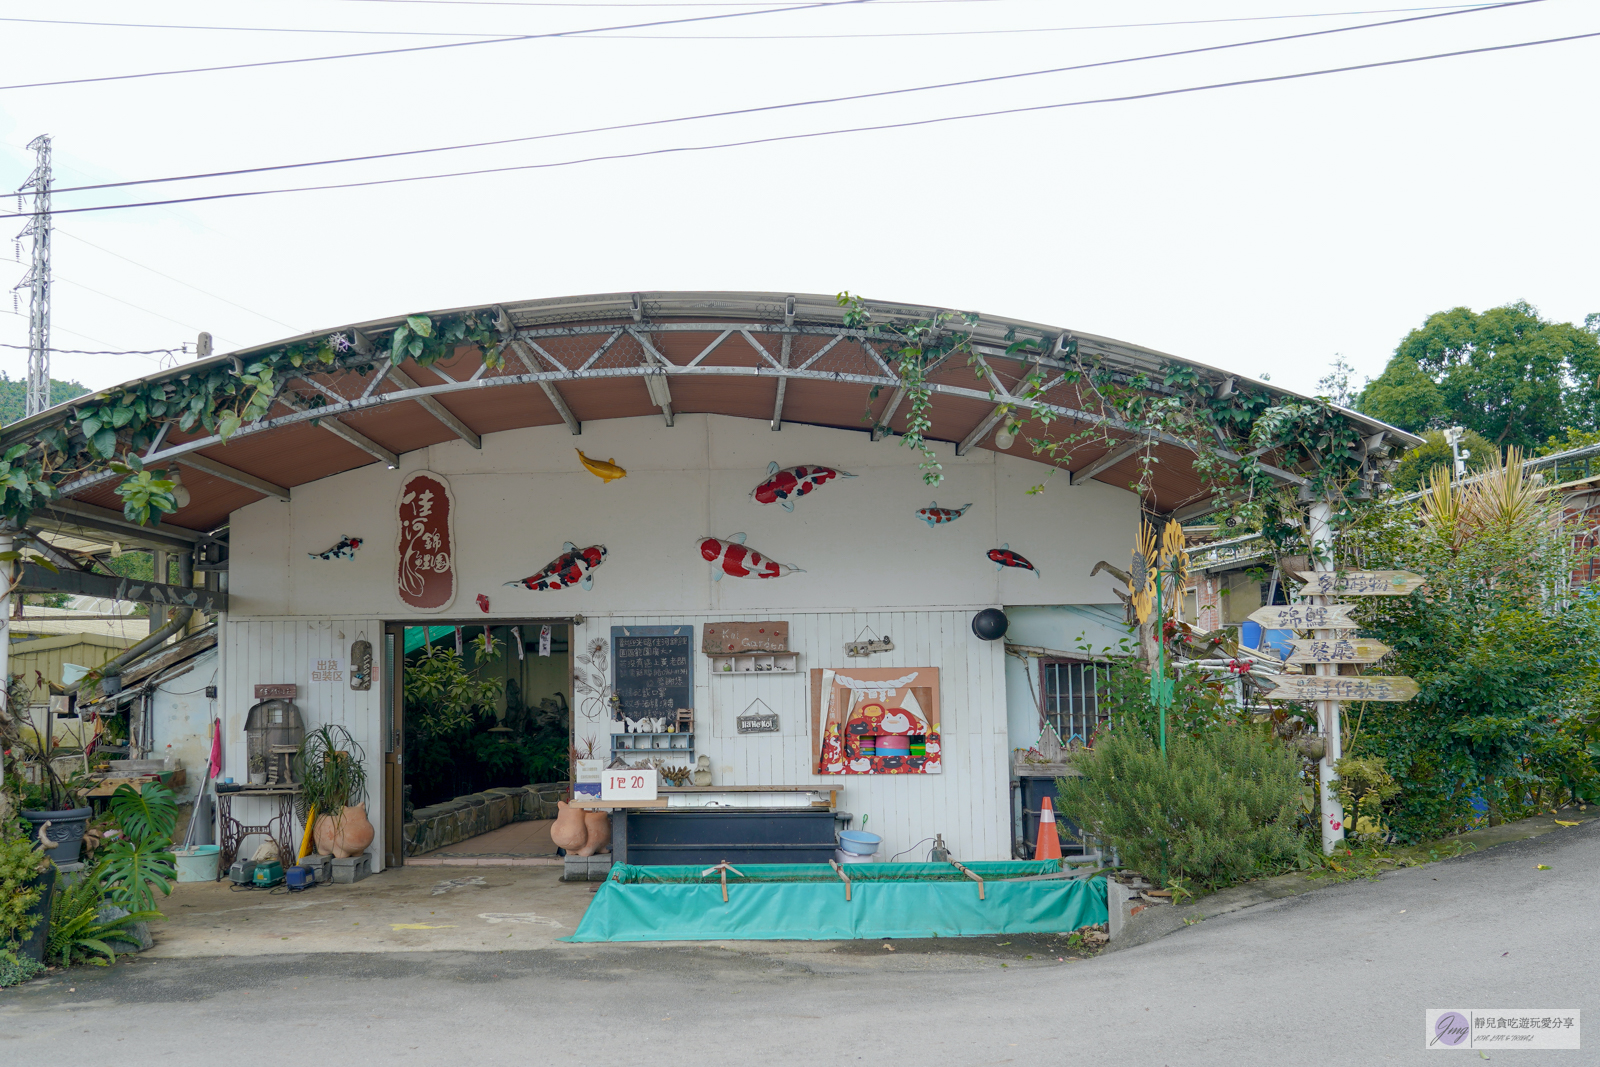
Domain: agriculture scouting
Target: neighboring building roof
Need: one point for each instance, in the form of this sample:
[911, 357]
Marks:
[42, 621]
[768, 356]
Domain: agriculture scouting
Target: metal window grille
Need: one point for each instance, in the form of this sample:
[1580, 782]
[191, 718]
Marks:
[1072, 694]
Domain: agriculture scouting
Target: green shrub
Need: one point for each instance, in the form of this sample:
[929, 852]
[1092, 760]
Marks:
[21, 861]
[1220, 808]
[14, 969]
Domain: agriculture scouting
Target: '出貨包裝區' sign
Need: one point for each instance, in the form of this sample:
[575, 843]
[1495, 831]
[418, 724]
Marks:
[1359, 583]
[1342, 687]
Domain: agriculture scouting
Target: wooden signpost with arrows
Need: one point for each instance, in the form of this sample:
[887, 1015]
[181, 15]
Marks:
[1333, 642]
[1334, 649]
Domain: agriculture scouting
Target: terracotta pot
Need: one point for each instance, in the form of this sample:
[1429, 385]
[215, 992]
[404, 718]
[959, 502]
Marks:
[346, 834]
[597, 825]
[568, 831]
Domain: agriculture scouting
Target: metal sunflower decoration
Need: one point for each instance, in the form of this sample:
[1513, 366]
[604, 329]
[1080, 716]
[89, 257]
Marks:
[1174, 560]
[1142, 574]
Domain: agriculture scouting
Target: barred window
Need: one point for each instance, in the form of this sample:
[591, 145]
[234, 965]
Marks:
[1072, 692]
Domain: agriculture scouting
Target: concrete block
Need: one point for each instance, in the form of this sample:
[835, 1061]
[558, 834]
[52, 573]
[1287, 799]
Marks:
[586, 868]
[351, 869]
[1118, 900]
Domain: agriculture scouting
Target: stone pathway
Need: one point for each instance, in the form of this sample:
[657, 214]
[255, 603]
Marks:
[517, 844]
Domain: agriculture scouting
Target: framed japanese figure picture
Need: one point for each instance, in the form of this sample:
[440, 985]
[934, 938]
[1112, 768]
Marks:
[876, 720]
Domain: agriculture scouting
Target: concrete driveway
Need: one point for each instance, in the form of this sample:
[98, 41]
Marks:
[1339, 976]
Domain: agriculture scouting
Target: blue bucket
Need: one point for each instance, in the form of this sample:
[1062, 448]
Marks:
[859, 842]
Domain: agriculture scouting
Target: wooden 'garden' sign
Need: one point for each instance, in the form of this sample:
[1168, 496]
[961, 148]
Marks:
[426, 579]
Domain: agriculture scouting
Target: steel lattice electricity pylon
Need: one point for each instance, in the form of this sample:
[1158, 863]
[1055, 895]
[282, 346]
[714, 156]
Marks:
[37, 280]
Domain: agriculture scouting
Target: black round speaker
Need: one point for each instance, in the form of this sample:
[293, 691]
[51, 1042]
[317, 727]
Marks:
[990, 624]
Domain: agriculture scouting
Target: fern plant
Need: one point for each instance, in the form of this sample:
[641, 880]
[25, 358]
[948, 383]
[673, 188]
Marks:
[77, 933]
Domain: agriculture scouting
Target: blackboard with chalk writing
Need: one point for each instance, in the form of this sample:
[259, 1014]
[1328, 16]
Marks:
[653, 674]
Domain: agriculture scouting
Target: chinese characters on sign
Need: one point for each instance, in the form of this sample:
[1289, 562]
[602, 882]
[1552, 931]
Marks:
[1359, 583]
[1338, 650]
[427, 576]
[1342, 687]
[653, 672]
[326, 670]
[1305, 617]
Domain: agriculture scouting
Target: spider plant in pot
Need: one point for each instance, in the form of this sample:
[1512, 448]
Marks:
[333, 786]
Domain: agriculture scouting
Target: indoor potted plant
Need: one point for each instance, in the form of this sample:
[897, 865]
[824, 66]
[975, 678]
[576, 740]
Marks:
[258, 769]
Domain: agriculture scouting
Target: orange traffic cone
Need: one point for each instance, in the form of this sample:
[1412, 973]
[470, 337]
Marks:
[1049, 846]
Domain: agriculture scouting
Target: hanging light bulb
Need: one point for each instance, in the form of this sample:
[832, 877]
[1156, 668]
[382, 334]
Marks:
[1005, 437]
[180, 492]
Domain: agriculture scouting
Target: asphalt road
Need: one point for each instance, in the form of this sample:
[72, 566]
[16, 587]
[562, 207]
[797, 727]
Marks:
[1339, 976]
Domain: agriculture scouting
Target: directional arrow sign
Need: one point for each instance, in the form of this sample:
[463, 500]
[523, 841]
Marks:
[1359, 583]
[1338, 650]
[1305, 617]
[1341, 687]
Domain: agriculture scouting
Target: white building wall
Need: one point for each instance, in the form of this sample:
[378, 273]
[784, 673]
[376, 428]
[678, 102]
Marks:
[283, 650]
[868, 560]
[967, 803]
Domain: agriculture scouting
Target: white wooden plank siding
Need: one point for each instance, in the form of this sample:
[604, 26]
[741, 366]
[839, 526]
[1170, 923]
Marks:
[283, 650]
[969, 803]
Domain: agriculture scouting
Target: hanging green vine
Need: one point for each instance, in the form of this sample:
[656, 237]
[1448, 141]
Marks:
[1231, 428]
[113, 429]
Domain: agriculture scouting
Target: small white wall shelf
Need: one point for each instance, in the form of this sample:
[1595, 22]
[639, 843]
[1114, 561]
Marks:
[756, 663]
[652, 745]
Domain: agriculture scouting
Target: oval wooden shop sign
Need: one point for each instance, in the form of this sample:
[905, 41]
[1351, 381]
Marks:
[426, 576]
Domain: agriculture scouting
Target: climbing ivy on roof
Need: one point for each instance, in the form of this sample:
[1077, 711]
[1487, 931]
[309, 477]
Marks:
[1236, 432]
[114, 429]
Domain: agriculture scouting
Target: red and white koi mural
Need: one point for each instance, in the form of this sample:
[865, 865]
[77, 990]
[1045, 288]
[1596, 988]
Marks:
[785, 486]
[732, 557]
[1003, 557]
[934, 515]
[575, 566]
[879, 720]
[426, 579]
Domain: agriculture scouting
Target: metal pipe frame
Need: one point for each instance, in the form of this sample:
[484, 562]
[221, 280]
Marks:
[656, 366]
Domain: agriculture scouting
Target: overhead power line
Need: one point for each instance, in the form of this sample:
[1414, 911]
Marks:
[109, 352]
[766, 37]
[964, 83]
[170, 278]
[436, 47]
[876, 128]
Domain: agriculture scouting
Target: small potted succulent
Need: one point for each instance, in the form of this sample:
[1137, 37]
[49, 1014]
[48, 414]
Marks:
[258, 769]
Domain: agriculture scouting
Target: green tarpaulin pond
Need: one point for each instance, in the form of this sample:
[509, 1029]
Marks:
[806, 902]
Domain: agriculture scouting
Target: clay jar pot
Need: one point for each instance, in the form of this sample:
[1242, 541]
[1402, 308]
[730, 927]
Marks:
[346, 834]
[597, 825]
[568, 830]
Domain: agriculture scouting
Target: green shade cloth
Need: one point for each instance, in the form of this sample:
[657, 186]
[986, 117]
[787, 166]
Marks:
[805, 902]
[414, 635]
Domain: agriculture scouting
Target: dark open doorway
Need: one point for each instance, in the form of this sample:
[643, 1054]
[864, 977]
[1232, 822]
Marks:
[477, 709]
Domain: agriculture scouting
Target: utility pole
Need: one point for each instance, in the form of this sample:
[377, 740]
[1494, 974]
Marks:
[37, 279]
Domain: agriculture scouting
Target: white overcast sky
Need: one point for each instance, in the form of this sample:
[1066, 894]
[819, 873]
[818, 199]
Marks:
[1261, 228]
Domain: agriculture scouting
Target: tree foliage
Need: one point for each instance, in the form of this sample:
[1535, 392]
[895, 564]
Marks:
[1417, 465]
[1506, 657]
[1507, 374]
